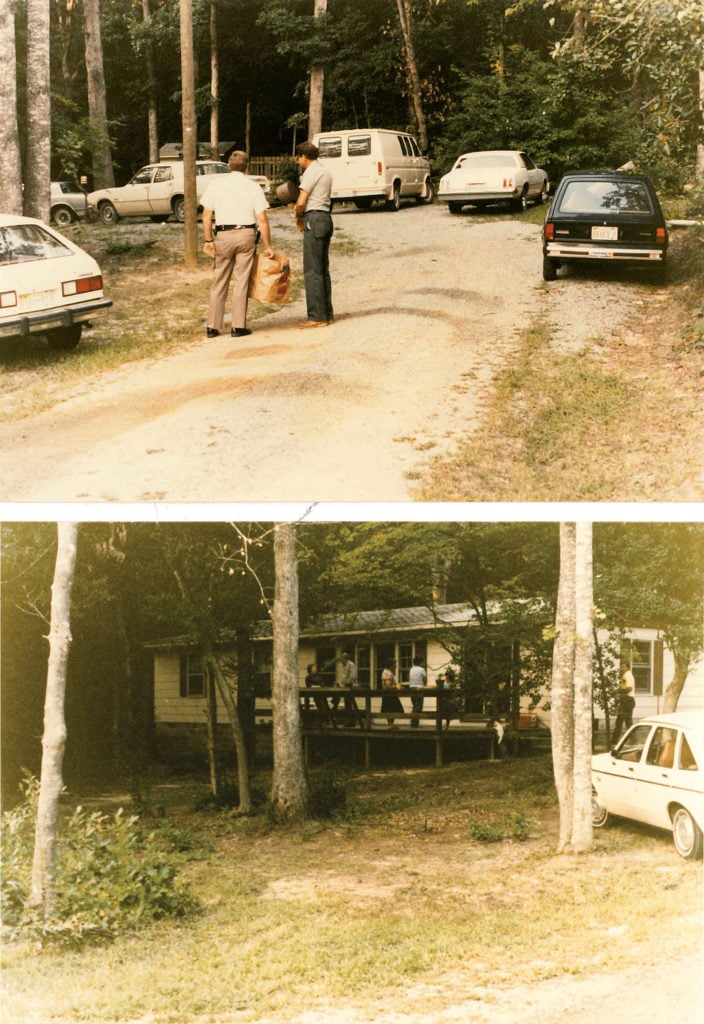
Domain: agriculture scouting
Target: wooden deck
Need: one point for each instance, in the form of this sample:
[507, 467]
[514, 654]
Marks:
[358, 715]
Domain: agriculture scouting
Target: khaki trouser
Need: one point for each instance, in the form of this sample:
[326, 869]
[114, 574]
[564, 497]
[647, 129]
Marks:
[234, 251]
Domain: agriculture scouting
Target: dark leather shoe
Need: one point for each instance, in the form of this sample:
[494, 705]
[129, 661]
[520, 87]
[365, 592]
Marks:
[240, 332]
[212, 332]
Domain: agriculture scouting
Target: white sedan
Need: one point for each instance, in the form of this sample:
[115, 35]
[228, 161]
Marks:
[493, 176]
[655, 774]
[48, 285]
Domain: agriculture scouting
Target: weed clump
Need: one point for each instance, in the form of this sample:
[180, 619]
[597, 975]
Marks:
[112, 876]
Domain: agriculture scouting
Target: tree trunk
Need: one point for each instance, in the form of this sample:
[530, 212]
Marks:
[189, 125]
[10, 169]
[43, 887]
[215, 84]
[603, 688]
[582, 831]
[676, 685]
[213, 664]
[37, 176]
[152, 109]
[404, 17]
[317, 80]
[211, 725]
[562, 694]
[289, 791]
[103, 176]
[700, 146]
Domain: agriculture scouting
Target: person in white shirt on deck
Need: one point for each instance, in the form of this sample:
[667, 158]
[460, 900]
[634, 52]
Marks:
[234, 207]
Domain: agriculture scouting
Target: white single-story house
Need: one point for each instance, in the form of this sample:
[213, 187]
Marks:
[371, 639]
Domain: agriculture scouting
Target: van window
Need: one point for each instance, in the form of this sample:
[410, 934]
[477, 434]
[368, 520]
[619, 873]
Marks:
[403, 145]
[330, 147]
[414, 146]
[359, 145]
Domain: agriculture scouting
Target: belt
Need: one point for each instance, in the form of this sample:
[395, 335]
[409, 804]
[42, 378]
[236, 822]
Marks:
[233, 227]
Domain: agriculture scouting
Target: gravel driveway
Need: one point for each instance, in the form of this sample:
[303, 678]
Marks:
[428, 308]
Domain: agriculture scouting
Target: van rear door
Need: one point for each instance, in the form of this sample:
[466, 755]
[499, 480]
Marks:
[353, 165]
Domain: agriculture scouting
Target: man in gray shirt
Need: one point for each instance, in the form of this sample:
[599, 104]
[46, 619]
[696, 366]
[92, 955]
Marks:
[312, 212]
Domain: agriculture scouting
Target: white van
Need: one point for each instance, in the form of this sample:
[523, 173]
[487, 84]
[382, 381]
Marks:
[374, 163]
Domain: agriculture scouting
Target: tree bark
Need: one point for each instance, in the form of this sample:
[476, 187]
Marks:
[676, 685]
[289, 791]
[317, 81]
[37, 176]
[700, 146]
[404, 17]
[562, 694]
[582, 829]
[10, 168]
[189, 126]
[213, 663]
[43, 886]
[152, 109]
[215, 84]
[103, 175]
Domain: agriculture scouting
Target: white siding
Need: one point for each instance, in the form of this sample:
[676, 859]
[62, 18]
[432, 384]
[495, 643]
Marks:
[169, 705]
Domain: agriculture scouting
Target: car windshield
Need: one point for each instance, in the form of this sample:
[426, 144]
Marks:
[601, 196]
[487, 160]
[22, 243]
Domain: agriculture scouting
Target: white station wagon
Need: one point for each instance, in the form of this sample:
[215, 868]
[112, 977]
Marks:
[655, 774]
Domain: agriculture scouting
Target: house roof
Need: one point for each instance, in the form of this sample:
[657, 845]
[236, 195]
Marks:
[361, 623]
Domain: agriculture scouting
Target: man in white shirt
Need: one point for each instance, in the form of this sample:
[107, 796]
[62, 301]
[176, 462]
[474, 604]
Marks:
[234, 207]
[416, 680]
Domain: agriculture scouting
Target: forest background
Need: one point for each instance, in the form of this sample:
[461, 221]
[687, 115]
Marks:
[576, 84]
[139, 582]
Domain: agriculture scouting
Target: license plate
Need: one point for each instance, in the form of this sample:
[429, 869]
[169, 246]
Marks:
[604, 234]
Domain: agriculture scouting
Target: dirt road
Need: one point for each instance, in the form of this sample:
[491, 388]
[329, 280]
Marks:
[428, 307]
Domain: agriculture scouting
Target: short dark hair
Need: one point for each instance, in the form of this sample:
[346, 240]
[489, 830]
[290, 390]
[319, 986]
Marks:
[309, 150]
[238, 160]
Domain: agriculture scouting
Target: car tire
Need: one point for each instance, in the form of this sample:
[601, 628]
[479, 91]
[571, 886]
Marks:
[600, 816]
[62, 216]
[427, 195]
[108, 213]
[364, 203]
[455, 207]
[394, 203]
[178, 205]
[549, 269]
[62, 339]
[686, 835]
[544, 195]
[521, 203]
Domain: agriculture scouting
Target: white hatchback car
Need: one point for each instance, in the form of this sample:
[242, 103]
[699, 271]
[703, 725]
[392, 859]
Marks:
[48, 285]
[493, 176]
[655, 774]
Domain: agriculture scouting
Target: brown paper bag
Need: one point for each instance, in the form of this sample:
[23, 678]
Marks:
[271, 279]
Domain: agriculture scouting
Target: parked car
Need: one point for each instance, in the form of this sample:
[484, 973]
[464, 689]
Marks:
[493, 176]
[369, 164]
[68, 203]
[655, 774]
[48, 285]
[613, 216]
[155, 191]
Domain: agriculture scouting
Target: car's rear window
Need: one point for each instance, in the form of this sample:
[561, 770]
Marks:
[21, 243]
[487, 160]
[687, 759]
[359, 145]
[603, 196]
[330, 147]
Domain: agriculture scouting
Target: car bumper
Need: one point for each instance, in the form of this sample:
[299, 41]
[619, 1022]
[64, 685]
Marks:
[561, 251]
[36, 323]
[477, 197]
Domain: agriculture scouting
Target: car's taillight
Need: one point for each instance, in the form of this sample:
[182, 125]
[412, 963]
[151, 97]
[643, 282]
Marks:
[549, 232]
[508, 182]
[661, 235]
[81, 285]
[8, 299]
[379, 168]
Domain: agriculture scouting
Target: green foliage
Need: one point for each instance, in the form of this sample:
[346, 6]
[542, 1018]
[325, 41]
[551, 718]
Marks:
[512, 826]
[112, 876]
[328, 796]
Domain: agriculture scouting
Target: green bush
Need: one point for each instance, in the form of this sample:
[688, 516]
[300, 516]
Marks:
[111, 876]
[514, 826]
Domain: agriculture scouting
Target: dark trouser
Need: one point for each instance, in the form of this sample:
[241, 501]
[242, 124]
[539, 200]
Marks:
[621, 722]
[417, 705]
[317, 232]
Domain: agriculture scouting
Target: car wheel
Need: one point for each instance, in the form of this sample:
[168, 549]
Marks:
[64, 338]
[549, 269]
[364, 203]
[600, 815]
[159, 218]
[544, 195]
[394, 203]
[687, 835]
[178, 205]
[520, 204]
[455, 207]
[427, 195]
[62, 216]
[108, 213]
